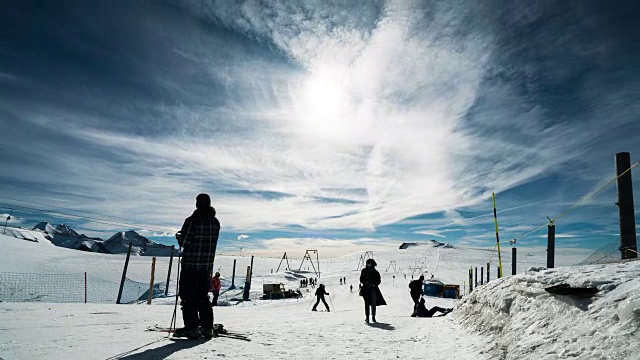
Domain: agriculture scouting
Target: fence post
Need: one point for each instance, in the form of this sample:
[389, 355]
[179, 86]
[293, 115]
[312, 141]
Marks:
[514, 255]
[85, 287]
[481, 275]
[233, 276]
[153, 272]
[476, 277]
[551, 245]
[247, 285]
[498, 275]
[470, 280]
[124, 275]
[626, 213]
[488, 272]
[166, 290]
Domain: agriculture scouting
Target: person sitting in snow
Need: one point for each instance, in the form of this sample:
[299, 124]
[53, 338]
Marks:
[421, 310]
[416, 290]
[320, 293]
[198, 239]
[215, 288]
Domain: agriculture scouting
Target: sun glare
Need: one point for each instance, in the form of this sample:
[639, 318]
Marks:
[324, 105]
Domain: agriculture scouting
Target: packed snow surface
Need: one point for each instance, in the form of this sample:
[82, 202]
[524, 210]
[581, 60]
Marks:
[509, 318]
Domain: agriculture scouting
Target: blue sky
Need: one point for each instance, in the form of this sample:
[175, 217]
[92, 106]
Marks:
[350, 123]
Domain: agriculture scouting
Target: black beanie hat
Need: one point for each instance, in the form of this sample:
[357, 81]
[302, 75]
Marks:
[203, 201]
[372, 262]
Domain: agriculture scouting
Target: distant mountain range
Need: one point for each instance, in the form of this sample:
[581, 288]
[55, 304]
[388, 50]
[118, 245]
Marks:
[64, 236]
[432, 243]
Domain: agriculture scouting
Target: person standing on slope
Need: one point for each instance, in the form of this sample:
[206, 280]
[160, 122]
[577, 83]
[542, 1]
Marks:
[320, 293]
[416, 290]
[370, 280]
[215, 288]
[198, 239]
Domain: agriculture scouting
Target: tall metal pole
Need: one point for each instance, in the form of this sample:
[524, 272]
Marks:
[124, 275]
[626, 212]
[495, 220]
[551, 245]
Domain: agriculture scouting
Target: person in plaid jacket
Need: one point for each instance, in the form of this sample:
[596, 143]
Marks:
[198, 239]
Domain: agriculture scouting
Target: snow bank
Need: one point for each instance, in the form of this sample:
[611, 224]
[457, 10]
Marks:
[526, 322]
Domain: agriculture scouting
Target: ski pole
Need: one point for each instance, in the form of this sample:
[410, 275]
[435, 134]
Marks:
[309, 307]
[333, 306]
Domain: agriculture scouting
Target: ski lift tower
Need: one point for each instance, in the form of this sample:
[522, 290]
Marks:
[392, 264]
[363, 259]
[307, 256]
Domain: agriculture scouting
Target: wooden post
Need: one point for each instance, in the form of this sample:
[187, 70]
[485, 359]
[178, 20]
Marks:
[626, 213]
[247, 285]
[470, 280]
[85, 287]
[166, 290]
[514, 253]
[551, 245]
[476, 277]
[481, 276]
[124, 275]
[488, 272]
[153, 272]
[498, 274]
[233, 276]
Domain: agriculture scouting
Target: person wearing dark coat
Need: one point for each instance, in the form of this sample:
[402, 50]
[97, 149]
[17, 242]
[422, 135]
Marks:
[422, 311]
[370, 280]
[320, 293]
[198, 239]
[416, 290]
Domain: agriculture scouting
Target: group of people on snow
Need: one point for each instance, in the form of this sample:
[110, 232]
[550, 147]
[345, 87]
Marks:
[307, 282]
[198, 239]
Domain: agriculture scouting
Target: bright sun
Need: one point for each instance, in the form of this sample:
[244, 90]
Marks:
[324, 104]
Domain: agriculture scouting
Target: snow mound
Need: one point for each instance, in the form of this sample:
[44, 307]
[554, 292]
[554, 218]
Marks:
[527, 322]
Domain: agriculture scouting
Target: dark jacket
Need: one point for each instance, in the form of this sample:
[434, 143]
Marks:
[416, 287]
[321, 292]
[421, 310]
[370, 279]
[199, 239]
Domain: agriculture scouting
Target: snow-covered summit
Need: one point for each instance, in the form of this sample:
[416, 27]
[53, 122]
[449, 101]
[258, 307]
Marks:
[61, 229]
[119, 243]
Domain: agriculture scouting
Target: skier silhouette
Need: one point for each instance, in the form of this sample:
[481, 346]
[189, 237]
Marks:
[320, 293]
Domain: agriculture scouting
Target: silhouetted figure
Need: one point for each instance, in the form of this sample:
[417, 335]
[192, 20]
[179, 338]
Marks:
[421, 311]
[340, 281]
[198, 239]
[351, 287]
[215, 288]
[370, 280]
[320, 293]
[416, 289]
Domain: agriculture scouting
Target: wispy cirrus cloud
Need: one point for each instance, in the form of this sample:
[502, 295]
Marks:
[326, 115]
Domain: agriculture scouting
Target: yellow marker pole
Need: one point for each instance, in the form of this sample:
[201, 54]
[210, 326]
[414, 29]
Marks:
[495, 220]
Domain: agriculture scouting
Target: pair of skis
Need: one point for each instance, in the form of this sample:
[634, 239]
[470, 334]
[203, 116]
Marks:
[218, 330]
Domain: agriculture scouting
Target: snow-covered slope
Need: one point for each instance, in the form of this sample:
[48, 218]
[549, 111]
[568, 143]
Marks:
[30, 235]
[526, 322]
[64, 236]
[510, 318]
